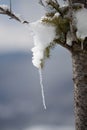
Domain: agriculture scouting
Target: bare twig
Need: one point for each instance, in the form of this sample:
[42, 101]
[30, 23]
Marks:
[55, 5]
[41, 3]
[8, 11]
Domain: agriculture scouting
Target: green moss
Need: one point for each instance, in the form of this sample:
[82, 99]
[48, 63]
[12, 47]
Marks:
[46, 56]
[47, 53]
[62, 24]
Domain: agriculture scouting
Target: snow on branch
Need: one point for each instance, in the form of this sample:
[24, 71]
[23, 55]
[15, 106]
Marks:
[5, 10]
[66, 30]
[43, 35]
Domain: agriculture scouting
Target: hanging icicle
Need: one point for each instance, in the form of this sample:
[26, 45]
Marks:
[42, 88]
[43, 35]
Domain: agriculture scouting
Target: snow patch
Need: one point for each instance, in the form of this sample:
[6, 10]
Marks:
[56, 14]
[81, 18]
[43, 35]
[5, 7]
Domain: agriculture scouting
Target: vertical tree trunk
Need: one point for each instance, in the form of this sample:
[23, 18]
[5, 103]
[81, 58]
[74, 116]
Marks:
[79, 60]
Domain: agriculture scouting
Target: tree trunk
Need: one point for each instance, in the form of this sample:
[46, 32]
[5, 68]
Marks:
[79, 61]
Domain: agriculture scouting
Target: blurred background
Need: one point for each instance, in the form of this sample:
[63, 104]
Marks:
[21, 105]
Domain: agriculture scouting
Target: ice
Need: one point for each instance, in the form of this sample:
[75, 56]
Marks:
[42, 88]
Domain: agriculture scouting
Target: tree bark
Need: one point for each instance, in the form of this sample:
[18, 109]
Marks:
[79, 61]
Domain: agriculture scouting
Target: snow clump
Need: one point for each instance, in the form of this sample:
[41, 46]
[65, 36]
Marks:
[43, 35]
[81, 18]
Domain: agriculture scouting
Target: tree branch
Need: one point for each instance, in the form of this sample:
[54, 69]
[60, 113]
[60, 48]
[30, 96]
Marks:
[55, 5]
[6, 11]
[41, 3]
[63, 44]
[72, 26]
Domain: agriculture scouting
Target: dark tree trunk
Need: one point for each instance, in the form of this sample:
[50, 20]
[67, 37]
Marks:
[79, 60]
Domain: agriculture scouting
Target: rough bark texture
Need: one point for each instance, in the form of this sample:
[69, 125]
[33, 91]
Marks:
[79, 60]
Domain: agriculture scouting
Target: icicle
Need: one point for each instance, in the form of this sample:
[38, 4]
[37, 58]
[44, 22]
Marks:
[42, 88]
